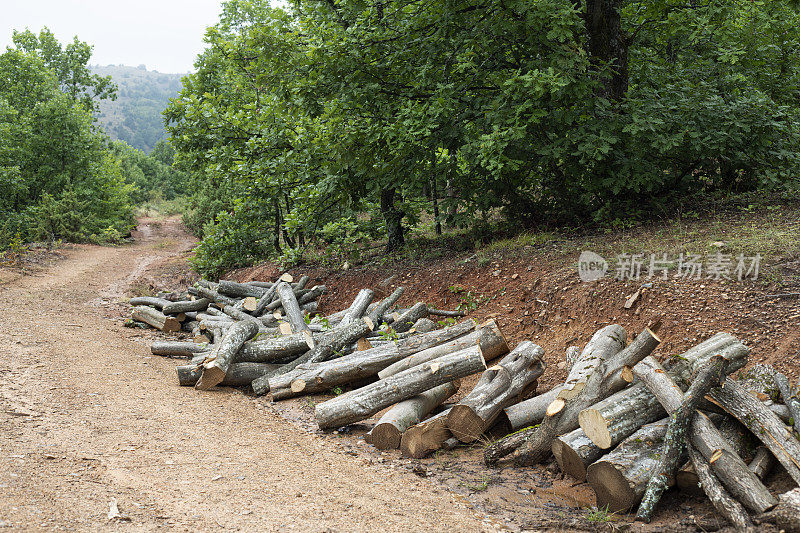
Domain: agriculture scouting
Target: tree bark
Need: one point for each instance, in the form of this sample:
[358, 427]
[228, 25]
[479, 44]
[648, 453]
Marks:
[608, 47]
[730, 509]
[219, 360]
[376, 315]
[418, 343]
[425, 437]
[499, 386]
[365, 402]
[758, 418]
[150, 301]
[762, 462]
[620, 477]
[574, 452]
[488, 337]
[292, 309]
[674, 448]
[240, 290]
[275, 349]
[786, 515]
[387, 433]
[737, 437]
[531, 411]
[406, 320]
[155, 318]
[358, 307]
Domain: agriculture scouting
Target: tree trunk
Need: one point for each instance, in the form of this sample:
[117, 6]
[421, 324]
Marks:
[376, 315]
[367, 401]
[418, 343]
[425, 437]
[531, 411]
[240, 290]
[149, 301]
[358, 307]
[155, 318]
[705, 437]
[499, 386]
[608, 47]
[275, 349]
[674, 448]
[762, 423]
[219, 360]
[789, 398]
[762, 463]
[406, 320]
[620, 477]
[387, 433]
[238, 375]
[786, 515]
[393, 218]
[488, 337]
[735, 434]
[292, 309]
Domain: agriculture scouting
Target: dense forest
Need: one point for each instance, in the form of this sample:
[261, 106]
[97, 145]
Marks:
[333, 123]
[61, 177]
[135, 115]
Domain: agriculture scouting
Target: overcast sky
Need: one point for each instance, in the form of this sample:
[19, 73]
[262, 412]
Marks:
[164, 35]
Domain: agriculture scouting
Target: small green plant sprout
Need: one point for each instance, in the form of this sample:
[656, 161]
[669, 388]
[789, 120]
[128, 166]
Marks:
[446, 322]
[388, 334]
[599, 515]
[478, 486]
[337, 391]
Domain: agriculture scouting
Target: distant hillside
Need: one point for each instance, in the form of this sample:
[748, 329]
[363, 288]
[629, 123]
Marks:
[135, 116]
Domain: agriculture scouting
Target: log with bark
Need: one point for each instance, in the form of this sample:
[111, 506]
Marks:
[789, 398]
[388, 431]
[178, 348]
[619, 415]
[488, 337]
[378, 312]
[365, 402]
[443, 312]
[274, 349]
[155, 318]
[499, 386]
[574, 452]
[406, 320]
[219, 360]
[214, 296]
[426, 437]
[186, 306]
[786, 514]
[238, 374]
[730, 509]
[240, 290]
[711, 374]
[149, 301]
[358, 307]
[729, 468]
[735, 434]
[292, 309]
[763, 423]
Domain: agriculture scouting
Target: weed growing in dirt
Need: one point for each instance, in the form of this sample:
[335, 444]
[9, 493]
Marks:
[599, 515]
[478, 486]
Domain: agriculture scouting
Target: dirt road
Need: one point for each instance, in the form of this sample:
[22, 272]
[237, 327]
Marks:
[87, 416]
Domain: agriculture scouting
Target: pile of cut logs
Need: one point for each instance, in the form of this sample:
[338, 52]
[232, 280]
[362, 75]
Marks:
[622, 421]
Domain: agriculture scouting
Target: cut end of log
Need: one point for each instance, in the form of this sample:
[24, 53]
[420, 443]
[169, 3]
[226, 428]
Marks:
[288, 278]
[249, 304]
[595, 427]
[171, 325]
[363, 344]
[309, 339]
[502, 347]
[610, 487]
[277, 315]
[211, 377]
[370, 323]
[298, 386]
[627, 374]
[652, 331]
[555, 407]
[464, 424]
[285, 328]
[568, 461]
[385, 437]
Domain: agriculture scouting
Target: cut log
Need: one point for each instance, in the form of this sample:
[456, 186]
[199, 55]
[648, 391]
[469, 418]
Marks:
[150, 301]
[499, 386]
[424, 325]
[417, 343]
[786, 515]
[155, 318]
[613, 419]
[215, 297]
[178, 349]
[173, 308]
[367, 401]
[574, 452]
[406, 320]
[221, 357]
[730, 509]
[292, 308]
[762, 462]
[238, 375]
[425, 437]
[240, 290]
[531, 411]
[311, 295]
[562, 414]
[729, 468]
[378, 312]
[386, 434]
[758, 418]
[315, 377]
[265, 299]
[619, 478]
[358, 307]
[275, 349]
[327, 345]
[789, 398]
[711, 374]
[442, 312]
[488, 337]
[607, 342]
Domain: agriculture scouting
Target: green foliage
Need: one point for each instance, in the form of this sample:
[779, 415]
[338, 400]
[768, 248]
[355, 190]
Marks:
[57, 178]
[334, 121]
